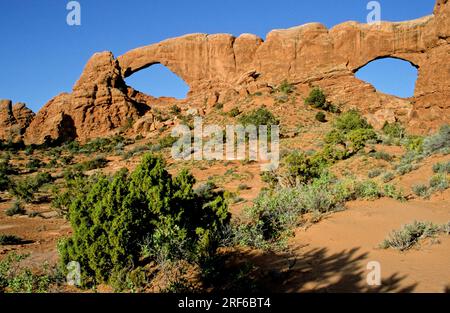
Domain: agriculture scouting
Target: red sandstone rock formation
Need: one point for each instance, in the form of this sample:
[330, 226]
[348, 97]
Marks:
[14, 119]
[220, 67]
[98, 105]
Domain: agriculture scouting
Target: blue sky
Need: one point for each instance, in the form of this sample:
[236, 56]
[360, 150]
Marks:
[41, 56]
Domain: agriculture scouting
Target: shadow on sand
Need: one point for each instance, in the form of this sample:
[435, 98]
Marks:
[314, 270]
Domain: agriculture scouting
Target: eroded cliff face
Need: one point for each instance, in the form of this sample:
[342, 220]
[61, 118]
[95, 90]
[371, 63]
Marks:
[221, 68]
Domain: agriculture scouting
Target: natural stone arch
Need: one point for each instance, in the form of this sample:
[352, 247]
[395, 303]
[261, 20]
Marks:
[387, 57]
[221, 67]
[404, 82]
[201, 60]
[143, 69]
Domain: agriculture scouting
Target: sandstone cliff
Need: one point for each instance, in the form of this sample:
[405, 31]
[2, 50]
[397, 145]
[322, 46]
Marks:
[220, 68]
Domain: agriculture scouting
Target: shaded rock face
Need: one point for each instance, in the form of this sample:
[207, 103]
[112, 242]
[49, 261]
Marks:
[14, 120]
[220, 68]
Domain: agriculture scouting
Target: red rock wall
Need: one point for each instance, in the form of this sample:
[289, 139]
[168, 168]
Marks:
[221, 67]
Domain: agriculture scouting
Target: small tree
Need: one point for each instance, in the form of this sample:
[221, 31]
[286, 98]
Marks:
[321, 117]
[316, 98]
[351, 120]
[118, 214]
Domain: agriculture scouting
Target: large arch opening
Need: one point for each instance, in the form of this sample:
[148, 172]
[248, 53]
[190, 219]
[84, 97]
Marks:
[391, 76]
[158, 81]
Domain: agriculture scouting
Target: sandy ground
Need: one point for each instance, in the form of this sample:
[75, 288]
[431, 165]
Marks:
[346, 242]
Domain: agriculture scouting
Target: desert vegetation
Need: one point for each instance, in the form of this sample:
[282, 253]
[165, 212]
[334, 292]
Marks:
[410, 235]
[139, 222]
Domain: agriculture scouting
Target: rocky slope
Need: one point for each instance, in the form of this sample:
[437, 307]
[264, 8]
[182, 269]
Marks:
[223, 68]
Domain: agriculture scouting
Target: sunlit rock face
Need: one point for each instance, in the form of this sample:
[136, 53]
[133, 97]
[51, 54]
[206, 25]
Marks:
[221, 68]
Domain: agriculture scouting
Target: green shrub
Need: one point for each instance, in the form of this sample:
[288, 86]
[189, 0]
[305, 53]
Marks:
[206, 189]
[414, 144]
[5, 182]
[441, 168]
[446, 228]
[187, 120]
[51, 164]
[15, 209]
[368, 189]
[319, 199]
[439, 142]
[9, 240]
[286, 88]
[34, 214]
[271, 216]
[404, 169]
[352, 132]
[394, 130]
[260, 116]
[359, 137]
[269, 222]
[28, 150]
[17, 279]
[66, 159]
[167, 142]
[381, 155]
[316, 98]
[98, 145]
[351, 120]
[243, 187]
[148, 204]
[335, 137]
[439, 182]
[72, 146]
[321, 117]
[75, 184]
[42, 178]
[410, 235]
[421, 190]
[374, 173]
[23, 190]
[329, 155]
[300, 168]
[26, 188]
[391, 191]
[234, 112]
[135, 151]
[388, 177]
[270, 178]
[34, 164]
[6, 168]
[95, 163]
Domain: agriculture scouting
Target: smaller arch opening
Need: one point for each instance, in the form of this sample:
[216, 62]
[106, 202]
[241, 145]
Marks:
[158, 81]
[392, 76]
